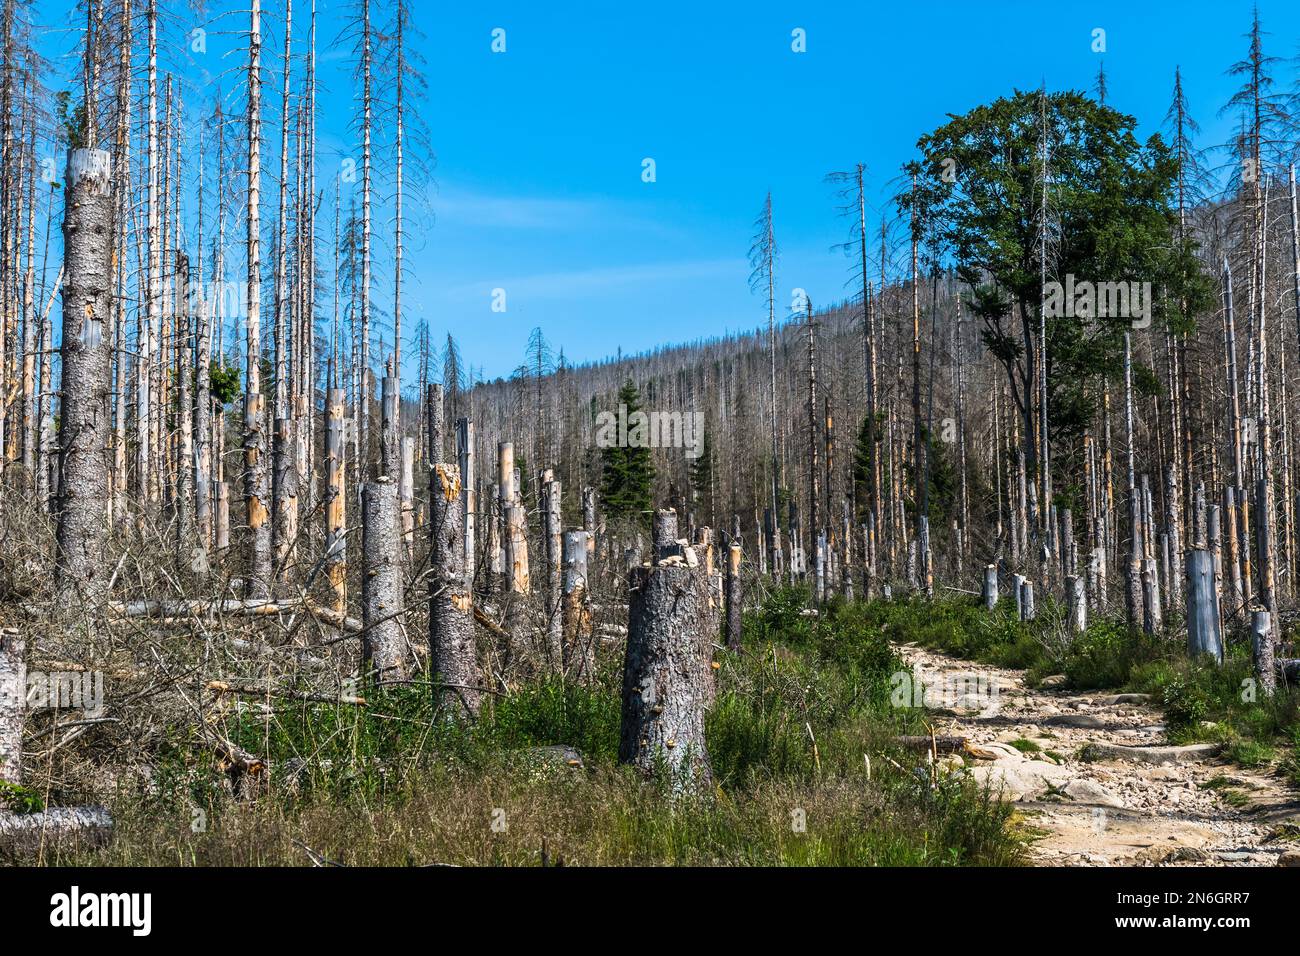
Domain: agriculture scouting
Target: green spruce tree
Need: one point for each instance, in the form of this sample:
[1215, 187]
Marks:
[627, 473]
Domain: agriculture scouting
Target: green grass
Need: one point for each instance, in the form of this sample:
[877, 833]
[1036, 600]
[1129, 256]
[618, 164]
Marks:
[1026, 746]
[797, 737]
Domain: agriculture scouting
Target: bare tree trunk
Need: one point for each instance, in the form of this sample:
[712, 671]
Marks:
[258, 532]
[458, 679]
[666, 670]
[1203, 634]
[735, 600]
[286, 519]
[554, 538]
[468, 491]
[1133, 582]
[383, 645]
[335, 503]
[579, 651]
[13, 704]
[81, 574]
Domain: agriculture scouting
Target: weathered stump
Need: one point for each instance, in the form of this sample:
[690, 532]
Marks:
[990, 592]
[457, 678]
[382, 648]
[1261, 640]
[579, 649]
[1078, 604]
[735, 604]
[1203, 631]
[13, 704]
[667, 677]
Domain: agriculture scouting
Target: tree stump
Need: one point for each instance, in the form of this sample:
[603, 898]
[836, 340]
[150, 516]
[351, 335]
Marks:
[1203, 631]
[453, 658]
[383, 650]
[579, 650]
[734, 597]
[667, 676]
[13, 704]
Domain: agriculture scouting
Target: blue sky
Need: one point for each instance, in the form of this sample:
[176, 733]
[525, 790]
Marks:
[539, 149]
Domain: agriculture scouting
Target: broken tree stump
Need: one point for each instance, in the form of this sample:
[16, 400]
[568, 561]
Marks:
[667, 679]
[735, 601]
[453, 658]
[578, 647]
[13, 704]
[382, 646]
[1203, 632]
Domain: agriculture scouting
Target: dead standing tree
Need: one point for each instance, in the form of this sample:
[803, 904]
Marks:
[458, 680]
[667, 677]
[384, 644]
[258, 529]
[84, 423]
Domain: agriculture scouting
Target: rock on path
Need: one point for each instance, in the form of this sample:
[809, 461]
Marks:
[1136, 800]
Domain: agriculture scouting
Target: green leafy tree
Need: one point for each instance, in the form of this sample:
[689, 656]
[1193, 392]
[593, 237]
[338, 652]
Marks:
[1111, 217]
[627, 473]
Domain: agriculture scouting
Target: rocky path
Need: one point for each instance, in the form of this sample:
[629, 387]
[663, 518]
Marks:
[1096, 779]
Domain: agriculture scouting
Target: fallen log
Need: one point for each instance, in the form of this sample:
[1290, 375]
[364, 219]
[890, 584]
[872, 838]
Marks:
[254, 690]
[57, 826]
[254, 607]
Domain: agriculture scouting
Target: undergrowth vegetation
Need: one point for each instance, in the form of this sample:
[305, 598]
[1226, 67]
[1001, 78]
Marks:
[800, 737]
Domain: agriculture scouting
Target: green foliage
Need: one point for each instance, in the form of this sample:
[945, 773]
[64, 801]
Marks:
[399, 782]
[1112, 198]
[627, 472]
[19, 799]
[224, 382]
[71, 119]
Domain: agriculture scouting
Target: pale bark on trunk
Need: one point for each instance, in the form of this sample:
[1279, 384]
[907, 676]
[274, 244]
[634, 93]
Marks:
[554, 539]
[735, 601]
[13, 704]
[335, 502]
[579, 650]
[81, 574]
[383, 644]
[258, 583]
[667, 677]
[468, 491]
[458, 679]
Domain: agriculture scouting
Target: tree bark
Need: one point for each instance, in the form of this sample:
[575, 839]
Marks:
[81, 572]
[458, 679]
[13, 704]
[666, 672]
[383, 646]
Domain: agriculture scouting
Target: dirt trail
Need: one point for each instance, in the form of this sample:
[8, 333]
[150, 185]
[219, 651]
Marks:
[1176, 806]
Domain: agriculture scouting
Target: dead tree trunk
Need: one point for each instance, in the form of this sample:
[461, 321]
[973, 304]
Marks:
[336, 559]
[468, 492]
[1203, 633]
[458, 680]
[666, 669]
[1261, 639]
[383, 650]
[579, 656]
[258, 582]
[554, 541]
[13, 704]
[735, 605]
[81, 573]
